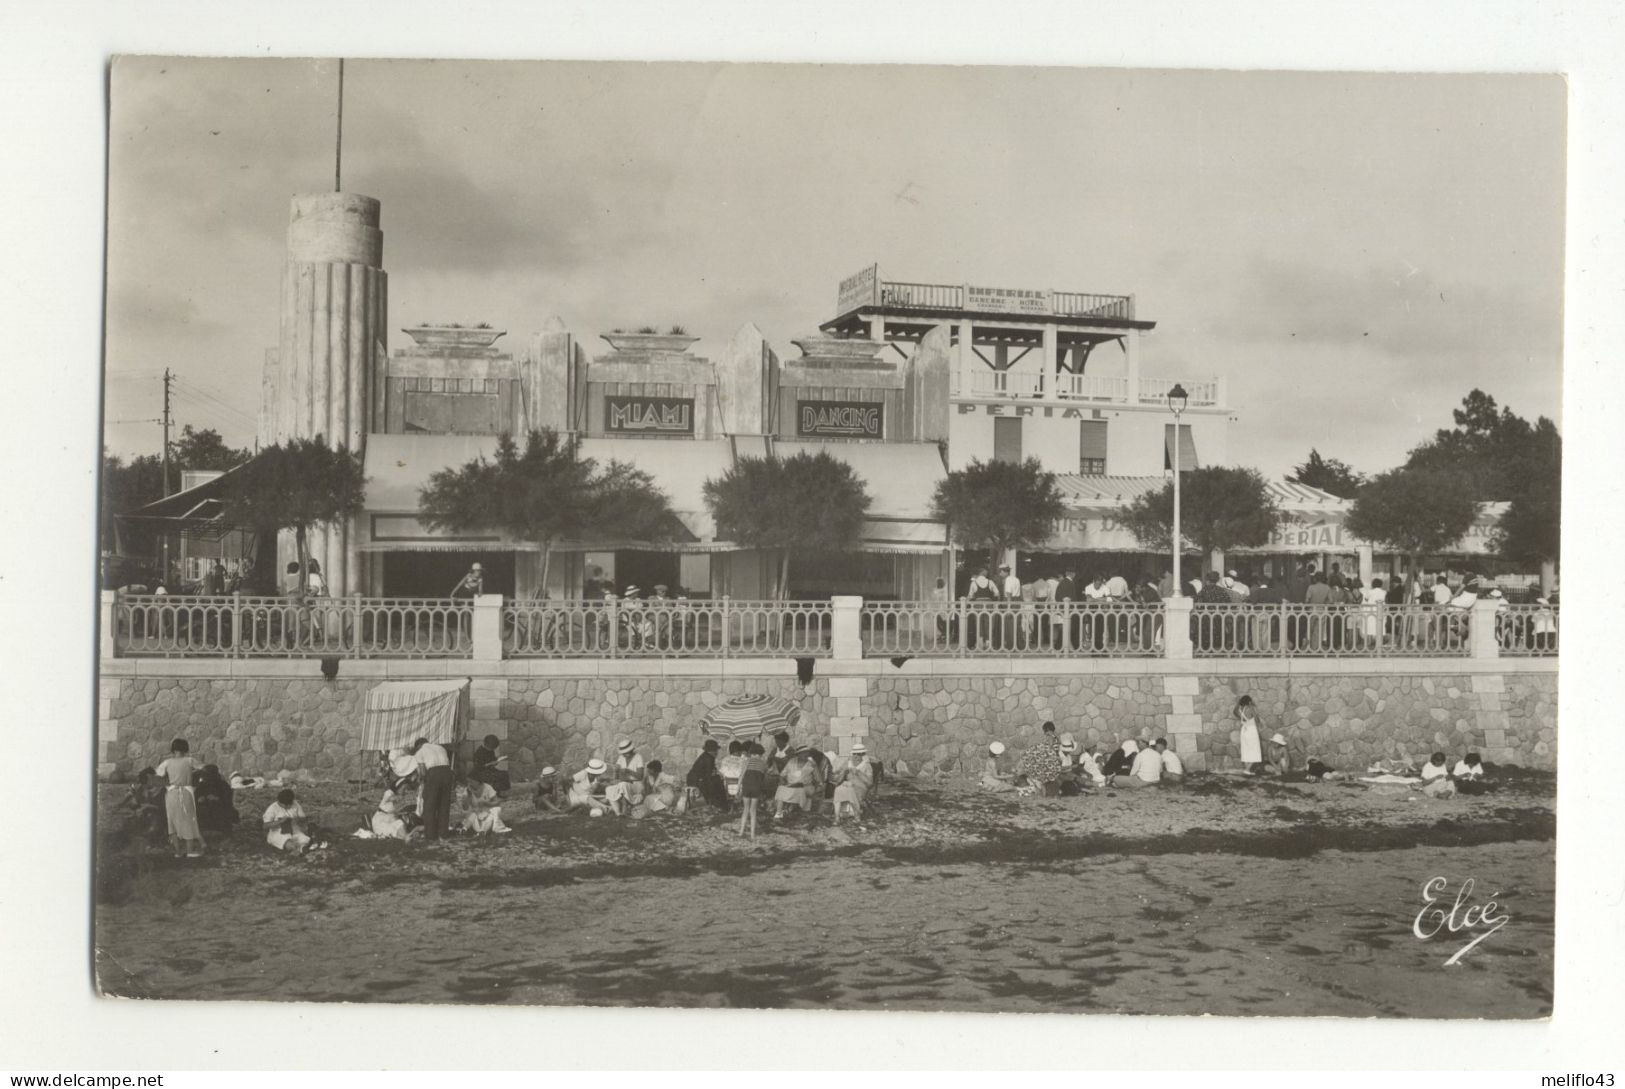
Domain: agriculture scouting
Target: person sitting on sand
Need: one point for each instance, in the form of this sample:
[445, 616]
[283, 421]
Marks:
[482, 807]
[1278, 755]
[994, 777]
[1469, 774]
[662, 793]
[284, 824]
[1173, 768]
[1089, 764]
[704, 777]
[1121, 759]
[146, 804]
[626, 790]
[852, 782]
[1247, 740]
[215, 811]
[1070, 774]
[393, 819]
[549, 797]
[1041, 764]
[1435, 768]
[796, 783]
[1147, 769]
[491, 768]
[587, 788]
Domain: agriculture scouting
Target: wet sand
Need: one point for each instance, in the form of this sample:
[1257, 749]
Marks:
[1226, 897]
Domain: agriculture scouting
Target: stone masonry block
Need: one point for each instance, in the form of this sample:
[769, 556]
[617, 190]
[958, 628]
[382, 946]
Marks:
[487, 708]
[1489, 682]
[1182, 686]
[1184, 744]
[847, 706]
[107, 730]
[1184, 705]
[1196, 761]
[499, 727]
[1184, 724]
[849, 687]
[1489, 701]
[1495, 739]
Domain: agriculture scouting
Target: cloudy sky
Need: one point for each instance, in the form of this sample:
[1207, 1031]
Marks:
[1353, 252]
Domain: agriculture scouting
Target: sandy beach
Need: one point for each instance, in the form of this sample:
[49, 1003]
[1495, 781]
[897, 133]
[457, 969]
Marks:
[1224, 896]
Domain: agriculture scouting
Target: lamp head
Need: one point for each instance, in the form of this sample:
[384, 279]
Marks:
[1177, 399]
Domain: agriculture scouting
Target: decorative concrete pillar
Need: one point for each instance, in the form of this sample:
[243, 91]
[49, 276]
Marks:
[1215, 562]
[1176, 628]
[966, 361]
[332, 334]
[741, 380]
[1368, 568]
[109, 618]
[877, 329]
[931, 375]
[1481, 630]
[846, 641]
[487, 628]
[1052, 363]
[547, 378]
[848, 724]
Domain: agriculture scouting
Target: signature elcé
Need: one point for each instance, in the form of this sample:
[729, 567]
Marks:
[1462, 915]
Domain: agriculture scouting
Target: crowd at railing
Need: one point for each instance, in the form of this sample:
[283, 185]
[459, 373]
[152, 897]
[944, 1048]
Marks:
[180, 625]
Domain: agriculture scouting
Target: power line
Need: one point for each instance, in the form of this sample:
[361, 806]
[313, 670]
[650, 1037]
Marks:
[207, 400]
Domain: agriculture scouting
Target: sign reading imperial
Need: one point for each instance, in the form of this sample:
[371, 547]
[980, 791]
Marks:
[649, 415]
[841, 419]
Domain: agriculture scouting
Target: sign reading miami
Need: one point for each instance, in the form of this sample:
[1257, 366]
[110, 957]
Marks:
[841, 419]
[649, 415]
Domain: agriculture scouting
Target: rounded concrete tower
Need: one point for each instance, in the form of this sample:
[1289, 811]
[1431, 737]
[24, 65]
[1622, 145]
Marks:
[331, 348]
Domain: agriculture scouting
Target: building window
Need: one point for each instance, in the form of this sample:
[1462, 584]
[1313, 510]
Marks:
[1092, 447]
[1187, 448]
[1007, 438]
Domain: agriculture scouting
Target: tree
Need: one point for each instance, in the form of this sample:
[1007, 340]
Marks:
[1484, 450]
[805, 503]
[1220, 508]
[1415, 512]
[127, 487]
[1530, 529]
[547, 495]
[1327, 474]
[205, 450]
[297, 486]
[999, 505]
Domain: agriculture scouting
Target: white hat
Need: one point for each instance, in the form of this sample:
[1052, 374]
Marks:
[1131, 745]
[403, 766]
[630, 591]
[1068, 739]
[1496, 592]
[1278, 739]
[858, 749]
[1232, 574]
[550, 770]
[1227, 582]
[595, 812]
[596, 766]
[624, 746]
[995, 747]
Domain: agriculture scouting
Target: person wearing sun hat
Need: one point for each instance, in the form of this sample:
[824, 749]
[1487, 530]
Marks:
[627, 788]
[797, 783]
[1278, 754]
[853, 781]
[994, 777]
[585, 785]
[547, 797]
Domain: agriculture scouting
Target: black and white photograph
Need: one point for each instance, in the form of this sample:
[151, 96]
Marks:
[860, 537]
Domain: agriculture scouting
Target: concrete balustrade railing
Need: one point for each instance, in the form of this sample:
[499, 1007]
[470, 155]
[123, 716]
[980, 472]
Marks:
[490, 628]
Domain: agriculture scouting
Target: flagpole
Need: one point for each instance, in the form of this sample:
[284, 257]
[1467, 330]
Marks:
[338, 140]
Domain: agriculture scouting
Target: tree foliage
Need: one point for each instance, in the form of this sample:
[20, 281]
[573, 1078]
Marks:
[547, 494]
[1483, 450]
[297, 486]
[1530, 530]
[1327, 474]
[205, 449]
[130, 485]
[999, 505]
[1220, 508]
[1416, 512]
[805, 503]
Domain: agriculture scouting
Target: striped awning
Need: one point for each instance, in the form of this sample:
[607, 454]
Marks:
[400, 712]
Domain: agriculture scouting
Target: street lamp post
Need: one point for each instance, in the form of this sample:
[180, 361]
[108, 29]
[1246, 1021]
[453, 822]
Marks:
[1177, 399]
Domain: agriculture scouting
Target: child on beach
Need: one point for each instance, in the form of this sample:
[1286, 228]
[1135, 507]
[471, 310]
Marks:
[284, 824]
[180, 802]
[732, 767]
[549, 796]
[1252, 749]
[752, 785]
[994, 777]
[1434, 768]
[1469, 774]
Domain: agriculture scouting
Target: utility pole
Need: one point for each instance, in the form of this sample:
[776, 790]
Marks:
[168, 380]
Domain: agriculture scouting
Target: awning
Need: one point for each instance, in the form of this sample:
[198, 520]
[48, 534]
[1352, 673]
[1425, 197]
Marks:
[679, 467]
[198, 513]
[901, 478]
[1187, 447]
[400, 712]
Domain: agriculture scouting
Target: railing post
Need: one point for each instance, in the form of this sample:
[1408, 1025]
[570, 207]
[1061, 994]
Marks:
[109, 619]
[352, 632]
[726, 637]
[1176, 628]
[846, 628]
[1481, 630]
[614, 627]
[487, 628]
[958, 640]
[236, 623]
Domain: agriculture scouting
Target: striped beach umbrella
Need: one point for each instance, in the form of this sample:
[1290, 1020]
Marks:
[750, 716]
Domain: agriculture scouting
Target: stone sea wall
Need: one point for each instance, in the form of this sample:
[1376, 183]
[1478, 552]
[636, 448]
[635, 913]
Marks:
[939, 722]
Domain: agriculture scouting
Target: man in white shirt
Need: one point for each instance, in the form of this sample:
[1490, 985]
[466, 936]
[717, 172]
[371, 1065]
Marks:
[1173, 768]
[1011, 584]
[1147, 769]
[437, 787]
[1435, 768]
[1117, 588]
[584, 787]
[1441, 591]
[627, 789]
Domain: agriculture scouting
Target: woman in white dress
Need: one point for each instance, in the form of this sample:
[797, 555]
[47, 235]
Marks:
[1373, 599]
[1252, 749]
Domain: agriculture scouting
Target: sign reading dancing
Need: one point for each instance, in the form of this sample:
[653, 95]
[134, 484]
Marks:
[649, 415]
[841, 419]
